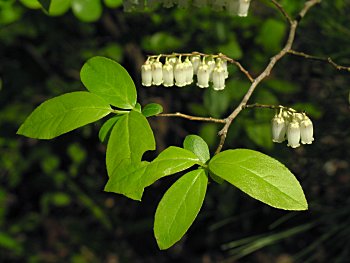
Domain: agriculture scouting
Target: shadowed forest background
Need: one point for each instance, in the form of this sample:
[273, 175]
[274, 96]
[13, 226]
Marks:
[52, 204]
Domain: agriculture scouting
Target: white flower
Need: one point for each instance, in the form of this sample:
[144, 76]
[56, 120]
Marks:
[195, 60]
[243, 7]
[203, 75]
[218, 77]
[173, 61]
[180, 74]
[223, 65]
[211, 65]
[146, 74]
[157, 73]
[233, 7]
[168, 74]
[279, 128]
[293, 133]
[189, 71]
[306, 130]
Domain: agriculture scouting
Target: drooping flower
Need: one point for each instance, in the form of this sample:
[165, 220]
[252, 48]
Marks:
[218, 77]
[243, 7]
[146, 74]
[168, 74]
[203, 75]
[279, 128]
[195, 60]
[211, 65]
[157, 73]
[293, 133]
[180, 73]
[189, 71]
[306, 130]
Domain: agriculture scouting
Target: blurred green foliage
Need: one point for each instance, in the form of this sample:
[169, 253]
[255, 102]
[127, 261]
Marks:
[52, 208]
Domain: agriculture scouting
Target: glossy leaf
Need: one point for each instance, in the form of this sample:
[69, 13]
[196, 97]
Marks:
[198, 146]
[106, 129]
[109, 80]
[45, 3]
[113, 3]
[130, 138]
[59, 7]
[152, 109]
[261, 177]
[179, 207]
[87, 10]
[63, 114]
[131, 179]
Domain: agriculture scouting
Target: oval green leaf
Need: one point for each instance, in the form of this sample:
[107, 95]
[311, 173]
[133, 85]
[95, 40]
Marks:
[106, 129]
[113, 3]
[64, 113]
[59, 7]
[152, 109]
[179, 207]
[261, 177]
[130, 180]
[87, 10]
[130, 138]
[109, 80]
[198, 146]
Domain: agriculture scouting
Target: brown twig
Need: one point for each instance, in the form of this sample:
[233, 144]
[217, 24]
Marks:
[272, 107]
[192, 118]
[267, 70]
[281, 9]
[323, 59]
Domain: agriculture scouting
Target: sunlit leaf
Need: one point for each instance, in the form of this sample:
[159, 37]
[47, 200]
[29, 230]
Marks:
[106, 128]
[109, 80]
[63, 114]
[198, 146]
[261, 177]
[179, 207]
[152, 109]
[87, 10]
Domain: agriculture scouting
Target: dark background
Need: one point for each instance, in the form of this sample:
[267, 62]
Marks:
[52, 204]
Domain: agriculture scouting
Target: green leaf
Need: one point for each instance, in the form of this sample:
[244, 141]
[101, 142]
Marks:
[59, 7]
[261, 177]
[271, 35]
[152, 109]
[64, 113]
[106, 129]
[130, 138]
[87, 10]
[179, 207]
[113, 3]
[109, 80]
[198, 146]
[131, 179]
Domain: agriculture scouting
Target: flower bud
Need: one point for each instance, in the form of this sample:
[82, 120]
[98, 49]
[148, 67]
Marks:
[146, 74]
[306, 130]
[157, 73]
[293, 133]
[278, 128]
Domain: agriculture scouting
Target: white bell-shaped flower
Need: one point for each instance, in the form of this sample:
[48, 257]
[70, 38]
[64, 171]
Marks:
[196, 61]
[189, 71]
[146, 74]
[243, 7]
[168, 74]
[218, 5]
[223, 65]
[203, 75]
[218, 77]
[172, 61]
[306, 130]
[279, 128]
[157, 73]
[180, 74]
[293, 133]
[211, 65]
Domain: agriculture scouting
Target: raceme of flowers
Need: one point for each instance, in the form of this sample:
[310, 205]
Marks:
[293, 127]
[180, 71]
[234, 7]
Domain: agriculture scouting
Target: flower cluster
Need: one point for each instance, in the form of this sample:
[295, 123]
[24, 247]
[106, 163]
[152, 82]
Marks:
[234, 7]
[180, 73]
[293, 126]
